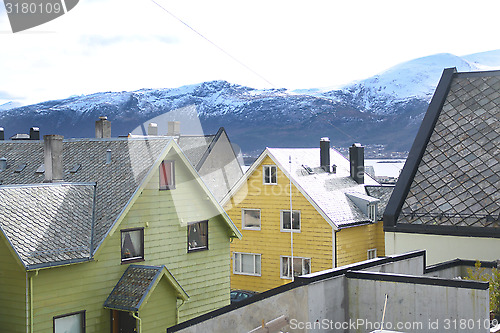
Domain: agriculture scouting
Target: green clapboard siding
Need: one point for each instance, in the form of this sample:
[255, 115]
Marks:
[204, 275]
[12, 291]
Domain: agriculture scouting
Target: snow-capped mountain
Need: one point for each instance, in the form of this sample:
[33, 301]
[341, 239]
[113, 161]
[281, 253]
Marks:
[384, 110]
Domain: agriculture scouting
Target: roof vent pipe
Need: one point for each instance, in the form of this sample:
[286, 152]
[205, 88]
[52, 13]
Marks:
[103, 128]
[34, 133]
[357, 161]
[324, 153]
[2, 134]
[53, 149]
[108, 156]
[174, 128]
[153, 129]
[3, 163]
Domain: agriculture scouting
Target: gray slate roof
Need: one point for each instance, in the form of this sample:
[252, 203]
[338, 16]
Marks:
[48, 222]
[327, 190]
[453, 179]
[381, 192]
[195, 146]
[116, 182]
[135, 283]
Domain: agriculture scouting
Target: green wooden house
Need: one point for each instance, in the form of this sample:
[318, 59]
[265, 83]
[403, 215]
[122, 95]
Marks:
[107, 235]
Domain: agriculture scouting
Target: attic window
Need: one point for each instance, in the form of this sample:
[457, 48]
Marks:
[372, 212]
[75, 168]
[270, 175]
[20, 168]
[41, 169]
[167, 175]
[308, 169]
[285, 221]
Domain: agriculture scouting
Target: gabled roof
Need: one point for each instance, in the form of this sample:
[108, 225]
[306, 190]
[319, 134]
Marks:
[214, 158]
[48, 223]
[325, 191]
[137, 284]
[119, 183]
[451, 180]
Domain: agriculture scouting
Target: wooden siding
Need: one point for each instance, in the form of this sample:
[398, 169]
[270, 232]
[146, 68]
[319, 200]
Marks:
[353, 243]
[204, 275]
[153, 315]
[314, 240]
[12, 290]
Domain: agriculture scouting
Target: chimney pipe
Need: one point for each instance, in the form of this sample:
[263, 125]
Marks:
[324, 154]
[53, 158]
[153, 129]
[2, 134]
[3, 163]
[103, 128]
[357, 161]
[174, 128]
[34, 133]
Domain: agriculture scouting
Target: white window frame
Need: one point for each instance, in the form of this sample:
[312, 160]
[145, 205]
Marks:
[371, 254]
[372, 212]
[289, 266]
[264, 172]
[243, 219]
[239, 271]
[63, 321]
[281, 221]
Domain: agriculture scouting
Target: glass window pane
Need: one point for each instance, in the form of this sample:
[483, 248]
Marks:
[251, 218]
[273, 175]
[257, 264]
[296, 220]
[247, 261]
[132, 244]
[198, 236]
[237, 259]
[285, 271]
[167, 180]
[69, 324]
[297, 266]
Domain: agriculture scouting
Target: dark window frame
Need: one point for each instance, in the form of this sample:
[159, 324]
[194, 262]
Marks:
[83, 317]
[137, 258]
[199, 248]
[163, 180]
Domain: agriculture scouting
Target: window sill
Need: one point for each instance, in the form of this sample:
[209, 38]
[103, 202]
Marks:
[248, 274]
[250, 228]
[198, 249]
[288, 230]
[132, 260]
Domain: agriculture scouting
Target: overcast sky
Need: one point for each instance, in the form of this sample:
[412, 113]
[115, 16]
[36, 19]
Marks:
[115, 45]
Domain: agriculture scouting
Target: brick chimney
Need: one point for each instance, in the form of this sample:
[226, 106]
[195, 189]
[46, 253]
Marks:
[153, 129]
[53, 158]
[174, 128]
[2, 134]
[103, 128]
[357, 161]
[324, 154]
[34, 133]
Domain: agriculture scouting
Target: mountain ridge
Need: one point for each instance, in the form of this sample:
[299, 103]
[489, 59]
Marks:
[383, 111]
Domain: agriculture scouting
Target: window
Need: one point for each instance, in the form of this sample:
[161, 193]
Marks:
[246, 263]
[72, 322]
[132, 245]
[372, 212]
[301, 266]
[372, 253]
[269, 172]
[285, 220]
[250, 219]
[198, 236]
[167, 175]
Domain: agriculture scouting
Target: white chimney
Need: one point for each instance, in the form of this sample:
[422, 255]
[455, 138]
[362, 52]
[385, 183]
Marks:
[53, 158]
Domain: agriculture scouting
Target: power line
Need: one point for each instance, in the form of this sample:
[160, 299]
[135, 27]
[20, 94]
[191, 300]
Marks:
[215, 45]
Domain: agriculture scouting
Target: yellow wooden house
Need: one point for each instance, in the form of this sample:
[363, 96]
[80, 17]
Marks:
[333, 222]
